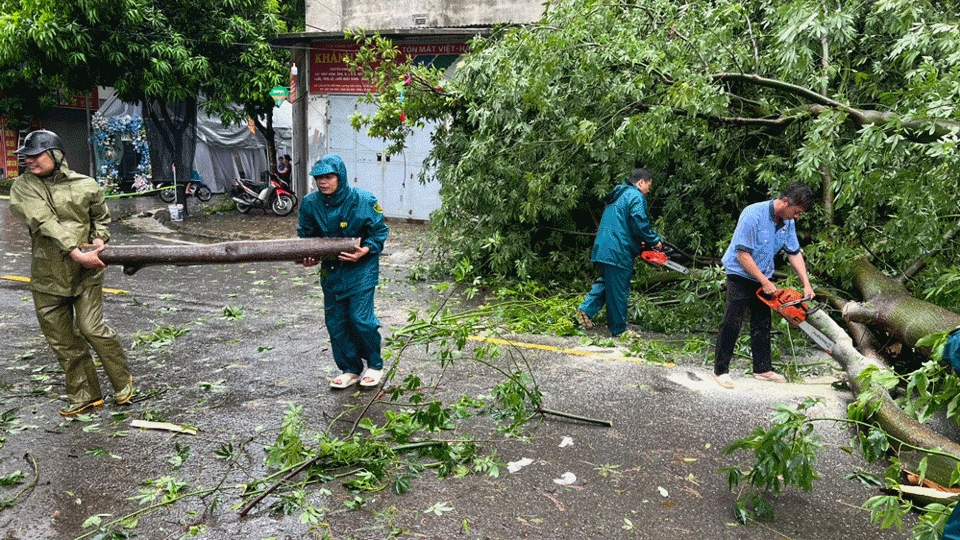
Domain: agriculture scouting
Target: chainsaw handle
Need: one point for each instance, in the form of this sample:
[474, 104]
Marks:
[786, 302]
[768, 298]
[796, 302]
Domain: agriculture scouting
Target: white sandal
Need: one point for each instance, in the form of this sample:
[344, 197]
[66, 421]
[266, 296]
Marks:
[724, 380]
[372, 377]
[345, 380]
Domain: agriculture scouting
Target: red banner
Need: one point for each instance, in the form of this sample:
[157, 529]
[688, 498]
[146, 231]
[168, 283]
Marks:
[80, 101]
[329, 73]
[9, 140]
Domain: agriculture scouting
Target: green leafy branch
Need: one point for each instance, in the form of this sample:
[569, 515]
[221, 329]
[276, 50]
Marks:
[16, 478]
[161, 336]
[785, 455]
[415, 418]
[407, 96]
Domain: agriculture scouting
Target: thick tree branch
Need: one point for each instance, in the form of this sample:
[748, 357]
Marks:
[778, 122]
[825, 175]
[790, 88]
[894, 309]
[855, 312]
[922, 130]
[889, 416]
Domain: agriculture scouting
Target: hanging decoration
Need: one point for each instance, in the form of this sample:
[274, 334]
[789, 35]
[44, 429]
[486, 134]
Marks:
[294, 81]
[108, 137]
[406, 82]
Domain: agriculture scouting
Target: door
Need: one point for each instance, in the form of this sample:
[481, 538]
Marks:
[393, 180]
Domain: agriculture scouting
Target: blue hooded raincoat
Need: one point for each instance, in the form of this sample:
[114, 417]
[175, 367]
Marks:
[348, 288]
[624, 228]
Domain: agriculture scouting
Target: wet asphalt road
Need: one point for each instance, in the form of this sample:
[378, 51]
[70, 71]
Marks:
[653, 475]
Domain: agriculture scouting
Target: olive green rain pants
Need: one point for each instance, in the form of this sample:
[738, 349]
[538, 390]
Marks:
[69, 323]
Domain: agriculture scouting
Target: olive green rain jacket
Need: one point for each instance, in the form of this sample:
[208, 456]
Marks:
[62, 212]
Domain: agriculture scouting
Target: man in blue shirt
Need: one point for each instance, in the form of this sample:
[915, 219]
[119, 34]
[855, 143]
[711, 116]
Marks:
[763, 230]
[337, 210]
[624, 228]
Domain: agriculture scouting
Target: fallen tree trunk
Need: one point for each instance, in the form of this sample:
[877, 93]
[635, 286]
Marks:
[889, 416]
[135, 257]
[889, 306]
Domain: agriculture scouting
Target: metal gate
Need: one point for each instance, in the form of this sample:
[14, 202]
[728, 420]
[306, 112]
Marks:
[394, 180]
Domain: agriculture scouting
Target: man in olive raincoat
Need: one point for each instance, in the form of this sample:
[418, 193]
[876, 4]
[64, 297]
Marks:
[337, 210]
[624, 229]
[64, 210]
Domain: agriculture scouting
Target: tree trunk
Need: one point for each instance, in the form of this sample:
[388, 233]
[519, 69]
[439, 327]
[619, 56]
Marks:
[888, 305]
[174, 126]
[270, 134]
[890, 416]
[134, 258]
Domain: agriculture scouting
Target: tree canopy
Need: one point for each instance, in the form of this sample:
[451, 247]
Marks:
[153, 52]
[726, 101]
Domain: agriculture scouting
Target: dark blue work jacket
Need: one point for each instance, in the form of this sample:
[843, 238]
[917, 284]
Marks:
[348, 212]
[624, 227]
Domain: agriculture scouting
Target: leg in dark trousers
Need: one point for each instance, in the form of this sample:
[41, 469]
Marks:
[742, 296]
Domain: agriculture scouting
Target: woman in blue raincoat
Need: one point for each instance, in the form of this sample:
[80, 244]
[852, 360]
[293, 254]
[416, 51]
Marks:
[337, 210]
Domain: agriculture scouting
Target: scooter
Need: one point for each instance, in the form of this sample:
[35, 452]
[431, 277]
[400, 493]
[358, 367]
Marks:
[195, 188]
[274, 195]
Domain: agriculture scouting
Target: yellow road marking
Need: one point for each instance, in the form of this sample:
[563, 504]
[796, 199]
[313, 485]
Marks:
[27, 280]
[495, 341]
[563, 350]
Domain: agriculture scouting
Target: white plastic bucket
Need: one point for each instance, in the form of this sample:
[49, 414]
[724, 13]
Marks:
[176, 212]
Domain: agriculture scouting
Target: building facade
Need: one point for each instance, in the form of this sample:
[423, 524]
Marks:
[324, 94]
[340, 15]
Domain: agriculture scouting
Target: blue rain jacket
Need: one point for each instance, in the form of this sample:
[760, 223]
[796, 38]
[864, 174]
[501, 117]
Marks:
[624, 227]
[951, 353]
[348, 212]
[757, 233]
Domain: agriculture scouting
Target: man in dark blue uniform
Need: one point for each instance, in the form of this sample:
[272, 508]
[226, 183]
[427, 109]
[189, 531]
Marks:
[624, 229]
[337, 210]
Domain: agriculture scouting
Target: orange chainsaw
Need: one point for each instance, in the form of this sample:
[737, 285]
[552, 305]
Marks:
[660, 258]
[791, 305]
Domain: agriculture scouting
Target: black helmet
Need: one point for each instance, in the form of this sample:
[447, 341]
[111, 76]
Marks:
[38, 142]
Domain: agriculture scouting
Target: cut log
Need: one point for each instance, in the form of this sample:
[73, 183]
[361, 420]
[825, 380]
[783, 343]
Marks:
[924, 495]
[135, 257]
